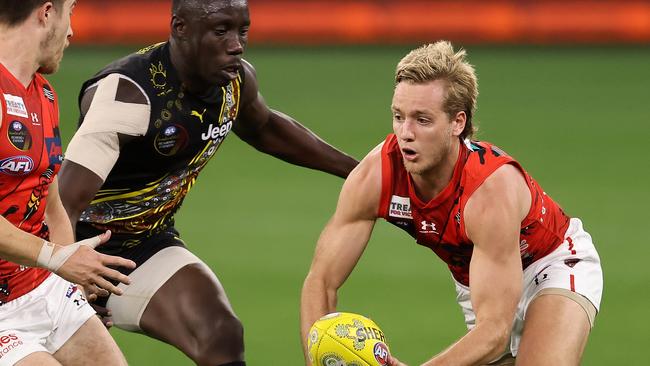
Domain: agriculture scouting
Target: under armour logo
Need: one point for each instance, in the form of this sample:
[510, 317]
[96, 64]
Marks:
[80, 300]
[199, 115]
[428, 227]
[35, 118]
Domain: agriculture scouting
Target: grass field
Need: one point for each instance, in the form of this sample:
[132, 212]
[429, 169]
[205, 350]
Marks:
[578, 119]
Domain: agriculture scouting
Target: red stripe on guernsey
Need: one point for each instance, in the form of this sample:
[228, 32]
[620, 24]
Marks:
[573, 251]
[572, 280]
[386, 176]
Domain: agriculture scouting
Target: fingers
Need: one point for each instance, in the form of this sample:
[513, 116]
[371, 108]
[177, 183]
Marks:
[102, 293]
[104, 315]
[392, 361]
[105, 285]
[96, 241]
[112, 274]
[93, 291]
[105, 236]
[101, 311]
[114, 261]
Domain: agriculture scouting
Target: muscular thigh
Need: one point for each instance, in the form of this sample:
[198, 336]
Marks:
[38, 359]
[555, 332]
[90, 345]
[190, 300]
[176, 298]
[171, 284]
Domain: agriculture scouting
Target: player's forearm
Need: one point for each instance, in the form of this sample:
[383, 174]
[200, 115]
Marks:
[316, 301]
[58, 224]
[481, 345]
[288, 140]
[18, 246]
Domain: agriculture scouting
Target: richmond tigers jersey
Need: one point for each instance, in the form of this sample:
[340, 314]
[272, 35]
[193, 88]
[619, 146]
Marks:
[30, 157]
[439, 224]
[154, 172]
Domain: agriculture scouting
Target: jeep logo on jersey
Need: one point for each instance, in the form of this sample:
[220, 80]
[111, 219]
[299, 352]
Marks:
[216, 132]
[400, 207]
[17, 165]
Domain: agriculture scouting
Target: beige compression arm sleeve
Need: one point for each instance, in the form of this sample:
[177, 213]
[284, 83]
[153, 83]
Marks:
[96, 144]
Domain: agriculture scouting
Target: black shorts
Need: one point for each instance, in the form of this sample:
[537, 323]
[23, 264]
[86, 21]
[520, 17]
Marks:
[136, 248]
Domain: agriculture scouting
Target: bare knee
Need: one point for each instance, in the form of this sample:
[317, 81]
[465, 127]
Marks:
[219, 341]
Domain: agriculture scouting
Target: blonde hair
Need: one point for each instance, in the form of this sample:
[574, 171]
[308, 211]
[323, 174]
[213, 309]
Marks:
[438, 61]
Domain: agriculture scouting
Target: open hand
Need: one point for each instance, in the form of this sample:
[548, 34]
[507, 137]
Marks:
[79, 263]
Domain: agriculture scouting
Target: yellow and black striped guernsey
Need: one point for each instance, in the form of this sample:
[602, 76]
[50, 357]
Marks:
[154, 172]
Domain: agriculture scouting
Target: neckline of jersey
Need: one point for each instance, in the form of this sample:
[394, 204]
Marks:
[12, 78]
[448, 190]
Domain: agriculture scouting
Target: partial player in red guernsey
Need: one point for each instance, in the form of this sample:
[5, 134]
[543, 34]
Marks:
[44, 317]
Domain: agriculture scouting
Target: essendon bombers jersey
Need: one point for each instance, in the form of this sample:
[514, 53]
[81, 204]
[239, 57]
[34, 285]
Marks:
[30, 157]
[439, 224]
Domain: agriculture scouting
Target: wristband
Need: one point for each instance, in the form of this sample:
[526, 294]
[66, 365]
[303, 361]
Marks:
[53, 261]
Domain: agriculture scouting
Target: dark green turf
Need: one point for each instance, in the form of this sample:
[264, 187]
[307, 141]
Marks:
[578, 119]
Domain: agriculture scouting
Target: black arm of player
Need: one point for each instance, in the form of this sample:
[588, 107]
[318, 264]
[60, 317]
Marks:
[78, 184]
[277, 134]
[77, 187]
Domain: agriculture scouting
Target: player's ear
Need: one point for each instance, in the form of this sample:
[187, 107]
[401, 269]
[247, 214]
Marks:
[45, 12]
[458, 123]
[178, 26]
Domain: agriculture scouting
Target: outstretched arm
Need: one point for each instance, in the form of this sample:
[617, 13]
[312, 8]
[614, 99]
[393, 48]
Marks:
[77, 262]
[56, 217]
[277, 134]
[493, 217]
[342, 242]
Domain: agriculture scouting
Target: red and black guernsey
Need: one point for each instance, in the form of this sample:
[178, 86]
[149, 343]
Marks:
[439, 224]
[30, 157]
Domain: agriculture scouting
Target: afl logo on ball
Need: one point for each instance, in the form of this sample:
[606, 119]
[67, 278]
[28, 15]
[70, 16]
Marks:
[381, 353]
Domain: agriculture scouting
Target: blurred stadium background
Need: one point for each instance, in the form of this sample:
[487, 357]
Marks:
[565, 89]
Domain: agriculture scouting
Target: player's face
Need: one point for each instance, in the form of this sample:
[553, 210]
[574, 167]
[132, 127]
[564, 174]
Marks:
[57, 38]
[425, 132]
[221, 38]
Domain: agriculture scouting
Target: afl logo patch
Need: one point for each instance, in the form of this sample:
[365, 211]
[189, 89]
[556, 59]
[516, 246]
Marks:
[381, 353]
[17, 165]
[171, 140]
[19, 136]
[169, 131]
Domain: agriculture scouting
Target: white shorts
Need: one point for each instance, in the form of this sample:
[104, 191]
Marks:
[42, 320]
[573, 266]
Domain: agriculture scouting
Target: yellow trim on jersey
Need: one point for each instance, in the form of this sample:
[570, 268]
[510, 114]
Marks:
[151, 187]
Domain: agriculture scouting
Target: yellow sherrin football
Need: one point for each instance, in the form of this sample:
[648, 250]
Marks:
[346, 339]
